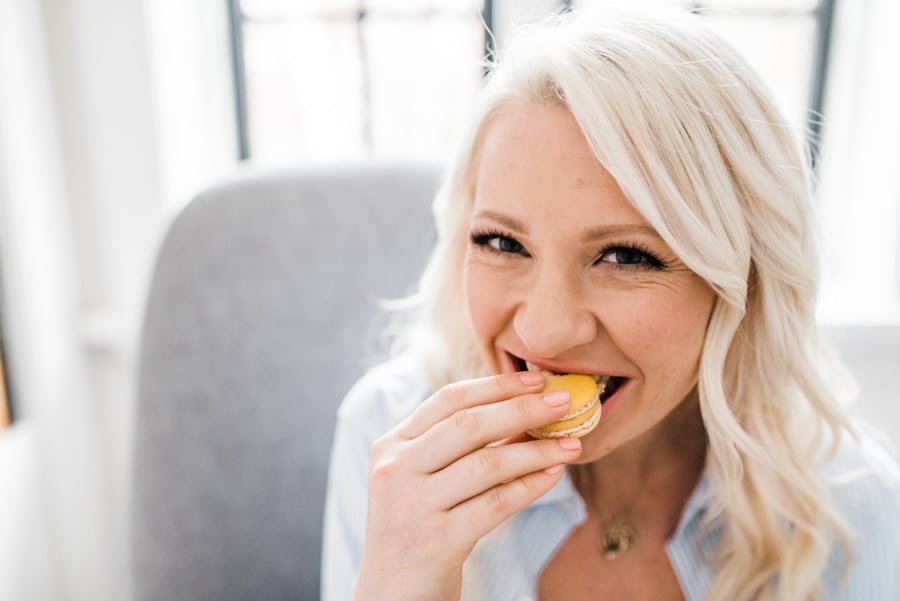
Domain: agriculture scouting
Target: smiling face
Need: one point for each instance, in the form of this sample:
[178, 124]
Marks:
[563, 274]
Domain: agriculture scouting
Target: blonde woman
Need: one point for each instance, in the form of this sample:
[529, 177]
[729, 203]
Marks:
[629, 205]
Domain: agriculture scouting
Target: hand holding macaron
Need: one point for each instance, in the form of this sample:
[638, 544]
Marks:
[450, 473]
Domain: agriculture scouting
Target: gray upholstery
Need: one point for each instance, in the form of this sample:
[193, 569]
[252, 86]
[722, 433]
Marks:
[259, 318]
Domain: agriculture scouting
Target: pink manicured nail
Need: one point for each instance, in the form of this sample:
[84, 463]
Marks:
[531, 378]
[557, 398]
[553, 470]
[570, 444]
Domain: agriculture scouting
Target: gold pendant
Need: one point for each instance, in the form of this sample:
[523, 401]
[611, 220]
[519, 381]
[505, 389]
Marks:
[615, 538]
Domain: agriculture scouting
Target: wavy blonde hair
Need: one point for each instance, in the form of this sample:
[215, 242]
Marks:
[698, 147]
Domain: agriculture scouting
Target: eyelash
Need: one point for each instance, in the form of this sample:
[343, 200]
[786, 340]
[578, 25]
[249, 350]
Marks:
[648, 259]
[483, 240]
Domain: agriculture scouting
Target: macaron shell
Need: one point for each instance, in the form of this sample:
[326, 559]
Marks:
[583, 425]
[584, 411]
[582, 390]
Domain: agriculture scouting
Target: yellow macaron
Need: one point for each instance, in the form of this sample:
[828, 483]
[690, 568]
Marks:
[584, 410]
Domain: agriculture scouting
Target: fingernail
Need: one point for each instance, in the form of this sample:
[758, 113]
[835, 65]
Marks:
[531, 378]
[570, 444]
[553, 470]
[557, 398]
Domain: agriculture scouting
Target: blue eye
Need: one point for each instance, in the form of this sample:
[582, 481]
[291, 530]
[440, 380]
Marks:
[629, 256]
[505, 245]
[498, 243]
[626, 256]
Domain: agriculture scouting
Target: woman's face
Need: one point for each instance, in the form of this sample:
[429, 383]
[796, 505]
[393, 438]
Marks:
[563, 274]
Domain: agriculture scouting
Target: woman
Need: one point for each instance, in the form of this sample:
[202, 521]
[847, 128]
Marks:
[629, 205]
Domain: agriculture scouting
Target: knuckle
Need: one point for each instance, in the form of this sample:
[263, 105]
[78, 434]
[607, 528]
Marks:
[524, 407]
[490, 459]
[379, 446]
[382, 470]
[466, 421]
[498, 501]
[385, 459]
[453, 395]
[547, 451]
[502, 386]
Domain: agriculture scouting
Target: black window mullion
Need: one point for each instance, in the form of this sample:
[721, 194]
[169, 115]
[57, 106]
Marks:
[824, 15]
[239, 77]
[487, 18]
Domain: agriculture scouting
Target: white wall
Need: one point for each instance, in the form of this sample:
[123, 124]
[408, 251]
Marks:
[111, 116]
[53, 443]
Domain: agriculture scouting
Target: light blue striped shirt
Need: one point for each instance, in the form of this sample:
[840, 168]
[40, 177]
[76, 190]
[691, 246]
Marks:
[864, 481]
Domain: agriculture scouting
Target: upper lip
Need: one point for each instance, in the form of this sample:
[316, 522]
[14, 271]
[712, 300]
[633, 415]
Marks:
[560, 368]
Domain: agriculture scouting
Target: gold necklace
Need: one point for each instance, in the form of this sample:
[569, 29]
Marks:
[615, 537]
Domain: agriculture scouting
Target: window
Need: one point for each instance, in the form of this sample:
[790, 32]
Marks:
[786, 41]
[327, 80]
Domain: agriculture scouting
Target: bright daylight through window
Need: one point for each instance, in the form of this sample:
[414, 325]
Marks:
[333, 80]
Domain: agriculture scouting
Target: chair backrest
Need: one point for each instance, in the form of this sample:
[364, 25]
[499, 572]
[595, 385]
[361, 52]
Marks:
[259, 318]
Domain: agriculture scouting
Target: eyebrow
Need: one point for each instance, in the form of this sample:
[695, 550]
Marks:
[503, 219]
[606, 231]
[593, 234]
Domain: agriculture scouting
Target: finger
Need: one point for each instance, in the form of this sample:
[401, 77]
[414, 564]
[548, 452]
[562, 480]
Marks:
[520, 437]
[483, 513]
[469, 393]
[475, 427]
[493, 466]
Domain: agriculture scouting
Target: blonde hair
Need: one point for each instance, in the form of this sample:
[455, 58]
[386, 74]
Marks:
[698, 147]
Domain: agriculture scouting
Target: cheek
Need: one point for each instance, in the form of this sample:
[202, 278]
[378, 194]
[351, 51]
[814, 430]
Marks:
[484, 301]
[665, 338]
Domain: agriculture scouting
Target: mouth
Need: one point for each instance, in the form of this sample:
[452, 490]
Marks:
[610, 383]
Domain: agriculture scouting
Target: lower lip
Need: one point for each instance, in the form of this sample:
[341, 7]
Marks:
[609, 405]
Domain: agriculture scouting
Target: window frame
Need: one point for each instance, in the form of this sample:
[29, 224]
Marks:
[236, 21]
[822, 14]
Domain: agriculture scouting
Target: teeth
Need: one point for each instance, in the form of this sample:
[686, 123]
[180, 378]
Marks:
[604, 380]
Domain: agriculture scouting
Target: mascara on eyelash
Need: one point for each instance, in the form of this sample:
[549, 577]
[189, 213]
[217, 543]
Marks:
[652, 261]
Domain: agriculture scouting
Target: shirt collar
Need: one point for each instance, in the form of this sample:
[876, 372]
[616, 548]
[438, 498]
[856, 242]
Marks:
[696, 506]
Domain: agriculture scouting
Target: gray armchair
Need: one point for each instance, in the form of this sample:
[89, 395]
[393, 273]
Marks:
[259, 318]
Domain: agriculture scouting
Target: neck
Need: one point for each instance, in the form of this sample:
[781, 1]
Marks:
[653, 474]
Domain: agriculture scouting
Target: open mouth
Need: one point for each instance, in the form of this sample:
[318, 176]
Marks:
[610, 383]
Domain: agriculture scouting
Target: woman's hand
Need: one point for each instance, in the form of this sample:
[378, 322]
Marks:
[451, 473]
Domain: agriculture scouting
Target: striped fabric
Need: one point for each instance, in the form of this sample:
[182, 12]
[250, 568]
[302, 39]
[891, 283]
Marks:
[505, 566]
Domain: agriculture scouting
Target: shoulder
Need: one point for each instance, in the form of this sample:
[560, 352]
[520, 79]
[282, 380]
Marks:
[864, 480]
[384, 395]
[864, 477]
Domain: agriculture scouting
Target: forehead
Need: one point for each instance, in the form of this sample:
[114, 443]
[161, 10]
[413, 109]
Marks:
[535, 157]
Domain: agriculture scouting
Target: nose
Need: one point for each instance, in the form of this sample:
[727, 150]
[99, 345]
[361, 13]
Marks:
[553, 316]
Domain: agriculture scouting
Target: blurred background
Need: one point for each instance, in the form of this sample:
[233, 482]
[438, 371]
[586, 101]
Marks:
[114, 113]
